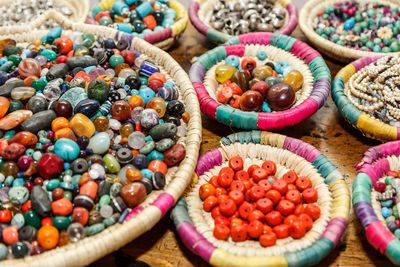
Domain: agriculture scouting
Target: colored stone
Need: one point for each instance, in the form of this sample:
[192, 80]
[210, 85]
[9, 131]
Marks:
[74, 96]
[98, 90]
[39, 121]
[100, 143]
[161, 131]
[29, 67]
[67, 149]
[40, 201]
[120, 110]
[133, 194]
[24, 138]
[262, 72]
[50, 165]
[63, 108]
[48, 237]
[83, 62]
[241, 78]
[149, 118]
[136, 140]
[112, 163]
[18, 195]
[82, 125]
[37, 103]
[14, 119]
[164, 144]
[13, 151]
[5, 89]
[224, 72]
[89, 189]
[174, 155]
[61, 207]
[87, 107]
[4, 104]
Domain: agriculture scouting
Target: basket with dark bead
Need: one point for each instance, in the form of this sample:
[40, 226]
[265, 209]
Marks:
[376, 196]
[221, 20]
[96, 156]
[261, 81]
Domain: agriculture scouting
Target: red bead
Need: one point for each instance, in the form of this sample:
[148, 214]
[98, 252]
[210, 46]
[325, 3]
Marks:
[221, 231]
[50, 165]
[10, 235]
[248, 63]
[64, 44]
[5, 216]
[89, 188]
[150, 22]
[280, 96]
[80, 215]
[251, 101]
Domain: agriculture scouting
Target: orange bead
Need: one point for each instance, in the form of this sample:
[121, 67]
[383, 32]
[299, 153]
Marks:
[158, 166]
[3, 144]
[120, 67]
[24, 138]
[61, 207]
[4, 105]
[48, 237]
[10, 235]
[59, 123]
[89, 189]
[65, 133]
[63, 240]
[150, 22]
[104, 78]
[157, 76]
[28, 80]
[133, 175]
[136, 101]
[135, 152]
[47, 221]
[80, 215]
[84, 76]
[102, 14]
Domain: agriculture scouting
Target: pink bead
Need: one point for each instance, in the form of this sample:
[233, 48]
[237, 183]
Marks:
[29, 185]
[380, 187]
[394, 199]
[397, 222]
[50, 135]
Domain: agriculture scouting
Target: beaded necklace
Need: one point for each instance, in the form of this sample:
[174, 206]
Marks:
[375, 89]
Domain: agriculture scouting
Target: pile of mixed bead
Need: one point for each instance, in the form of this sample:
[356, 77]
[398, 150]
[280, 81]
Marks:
[243, 16]
[388, 194]
[89, 128]
[375, 90]
[25, 11]
[369, 26]
[136, 16]
[254, 204]
[252, 87]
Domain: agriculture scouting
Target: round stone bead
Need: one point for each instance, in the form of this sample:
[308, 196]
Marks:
[133, 194]
[19, 249]
[136, 140]
[75, 232]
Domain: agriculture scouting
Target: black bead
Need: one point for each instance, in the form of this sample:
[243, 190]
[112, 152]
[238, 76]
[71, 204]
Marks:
[133, 81]
[122, 45]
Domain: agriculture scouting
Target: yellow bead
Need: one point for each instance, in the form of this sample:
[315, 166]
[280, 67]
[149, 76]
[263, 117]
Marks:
[295, 79]
[82, 125]
[224, 72]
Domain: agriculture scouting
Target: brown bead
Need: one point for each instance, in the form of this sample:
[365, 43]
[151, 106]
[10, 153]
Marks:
[84, 179]
[186, 117]
[262, 72]
[280, 96]
[241, 78]
[63, 108]
[251, 101]
[126, 129]
[101, 123]
[57, 193]
[38, 181]
[133, 194]
[120, 110]
[29, 67]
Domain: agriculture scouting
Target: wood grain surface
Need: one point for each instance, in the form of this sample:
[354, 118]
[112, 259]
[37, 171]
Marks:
[326, 130]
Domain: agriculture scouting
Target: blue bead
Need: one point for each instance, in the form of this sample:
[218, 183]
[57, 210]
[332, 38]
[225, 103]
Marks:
[271, 179]
[261, 55]
[8, 181]
[386, 212]
[134, 92]
[119, 6]
[3, 60]
[147, 69]
[287, 70]
[233, 61]
[265, 107]
[146, 93]
[377, 48]
[141, 161]
[18, 182]
[170, 13]
[280, 65]
[148, 138]
[146, 173]
[155, 155]
[54, 33]
[67, 166]
[146, 31]
[349, 24]
[387, 203]
[167, 22]
[123, 216]
[3, 77]
[66, 186]
[67, 149]
[158, 28]
[124, 27]
[144, 9]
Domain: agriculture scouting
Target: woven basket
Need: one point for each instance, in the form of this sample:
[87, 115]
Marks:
[200, 14]
[335, 51]
[163, 39]
[376, 162]
[310, 98]
[142, 218]
[80, 8]
[195, 226]
[368, 125]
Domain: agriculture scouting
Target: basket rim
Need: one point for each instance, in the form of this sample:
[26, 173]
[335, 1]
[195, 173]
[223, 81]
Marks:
[333, 50]
[262, 120]
[140, 219]
[165, 38]
[373, 165]
[220, 37]
[333, 232]
[369, 126]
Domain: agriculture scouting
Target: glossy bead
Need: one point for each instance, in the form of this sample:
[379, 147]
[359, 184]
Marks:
[82, 125]
[280, 96]
[10, 235]
[158, 166]
[149, 119]
[64, 44]
[295, 79]
[251, 101]
[61, 207]
[24, 138]
[248, 63]
[48, 237]
[14, 119]
[241, 78]
[133, 194]
[67, 149]
[174, 155]
[262, 72]
[261, 87]
[29, 67]
[158, 104]
[13, 151]
[120, 110]
[101, 123]
[4, 104]
[136, 101]
[133, 175]
[99, 143]
[75, 232]
[224, 72]
[89, 189]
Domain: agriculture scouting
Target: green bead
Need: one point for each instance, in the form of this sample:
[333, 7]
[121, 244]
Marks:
[115, 60]
[9, 134]
[105, 21]
[15, 59]
[358, 18]
[44, 141]
[88, 36]
[61, 222]
[49, 54]
[3, 251]
[340, 43]
[87, 43]
[377, 48]
[68, 194]
[371, 22]
[394, 47]
[7, 66]
[53, 184]
[397, 233]
[69, 172]
[364, 39]
[389, 180]
[38, 84]
[327, 30]
[319, 31]
[335, 37]
[377, 40]
[370, 12]
[369, 44]
[133, 16]
[364, 25]
[1, 162]
[143, 80]
[29, 152]
[138, 25]
[18, 220]
[386, 49]
[357, 29]
[109, 221]
[42, 134]
[39, 146]
[81, 51]
[94, 229]
[32, 219]
[325, 16]
[10, 50]
[111, 163]
[387, 41]
[14, 105]
[104, 200]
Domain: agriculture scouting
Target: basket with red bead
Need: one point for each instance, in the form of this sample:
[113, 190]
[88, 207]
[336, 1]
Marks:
[263, 198]
[261, 81]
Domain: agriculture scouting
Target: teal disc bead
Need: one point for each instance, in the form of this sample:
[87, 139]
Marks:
[155, 155]
[9, 134]
[327, 30]
[67, 149]
[115, 60]
[357, 29]
[261, 55]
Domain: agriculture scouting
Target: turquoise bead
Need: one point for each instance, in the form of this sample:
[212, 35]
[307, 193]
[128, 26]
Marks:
[146, 93]
[386, 212]
[261, 55]
[49, 54]
[3, 251]
[94, 229]
[67, 149]
[389, 180]
[109, 221]
[99, 143]
[18, 195]
[53, 184]
[115, 60]
[377, 40]
[104, 200]
[146, 173]
[397, 233]
[8, 181]
[233, 60]
[266, 107]
[377, 48]
[9, 134]
[18, 182]
[18, 220]
[155, 155]
[387, 203]
[386, 49]
[387, 41]
[29, 152]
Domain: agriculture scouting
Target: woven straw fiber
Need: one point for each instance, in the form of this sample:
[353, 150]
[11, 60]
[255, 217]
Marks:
[112, 238]
[80, 8]
[338, 52]
[195, 226]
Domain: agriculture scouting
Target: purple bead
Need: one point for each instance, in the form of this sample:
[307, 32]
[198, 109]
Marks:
[24, 162]
[96, 72]
[41, 59]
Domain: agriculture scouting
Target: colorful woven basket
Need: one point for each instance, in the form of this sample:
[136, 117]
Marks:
[310, 98]
[196, 231]
[369, 126]
[142, 218]
[199, 16]
[80, 8]
[376, 162]
[307, 16]
[163, 39]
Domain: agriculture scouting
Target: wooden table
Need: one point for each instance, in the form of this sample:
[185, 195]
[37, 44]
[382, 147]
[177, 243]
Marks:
[326, 130]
